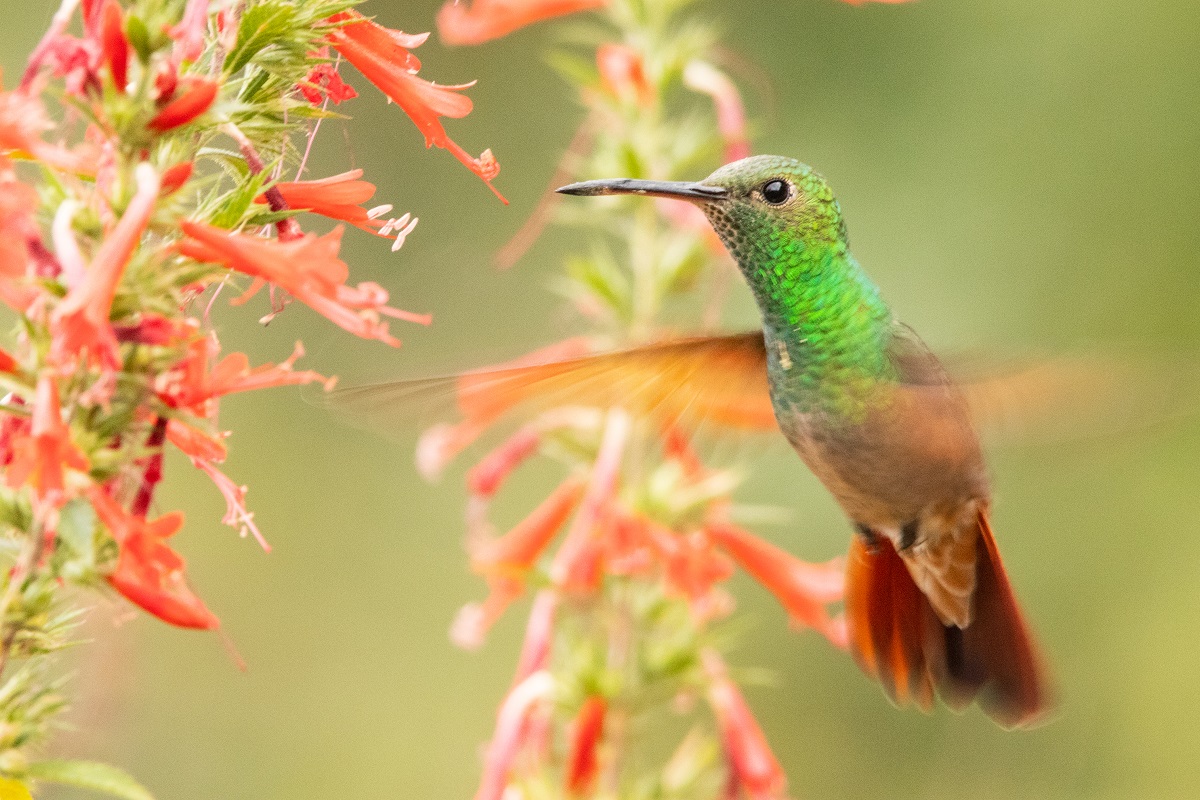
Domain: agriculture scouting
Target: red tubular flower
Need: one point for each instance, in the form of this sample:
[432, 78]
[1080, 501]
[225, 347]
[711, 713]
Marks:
[485, 20]
[511, 725]
[40, 456]
[505, 560]
[751, 762]
[80, 323]
[382, 56]
[623, 72]
[191, 384]
[539, 634]
[337, 197]
[191, 98]
[586, 734]
[324, 81]
[308, 267]
[486, 477]
[23, 120]
[148, 572]
[513, 553]
[175, 177]
[205, 452]
[193, 442]
[18, 203]
[189, 33]
[114, 45]
[703, 77]
[803, 589]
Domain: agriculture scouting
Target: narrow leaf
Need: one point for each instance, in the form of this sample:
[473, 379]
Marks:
[92, 775]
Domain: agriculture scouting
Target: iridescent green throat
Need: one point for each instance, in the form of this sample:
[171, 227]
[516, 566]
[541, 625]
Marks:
[827, 328]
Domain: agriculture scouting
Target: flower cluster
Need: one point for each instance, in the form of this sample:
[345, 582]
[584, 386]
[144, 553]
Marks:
[628, 556]
[154, 179]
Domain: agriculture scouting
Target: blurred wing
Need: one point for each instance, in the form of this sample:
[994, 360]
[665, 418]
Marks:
[713, 379]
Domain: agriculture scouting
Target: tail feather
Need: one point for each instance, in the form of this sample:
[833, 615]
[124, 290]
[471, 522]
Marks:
[898, 639]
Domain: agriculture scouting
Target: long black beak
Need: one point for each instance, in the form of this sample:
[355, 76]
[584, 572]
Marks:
[677, 190]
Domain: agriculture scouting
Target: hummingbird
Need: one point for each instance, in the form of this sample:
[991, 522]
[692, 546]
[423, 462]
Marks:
[864, 403]
[871, 412]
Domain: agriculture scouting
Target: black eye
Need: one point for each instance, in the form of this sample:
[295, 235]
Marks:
[776, 192]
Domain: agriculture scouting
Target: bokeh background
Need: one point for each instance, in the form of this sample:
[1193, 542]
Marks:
[1019, 177]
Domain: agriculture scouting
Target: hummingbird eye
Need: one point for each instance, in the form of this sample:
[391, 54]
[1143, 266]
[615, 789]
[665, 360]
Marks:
[776, 192]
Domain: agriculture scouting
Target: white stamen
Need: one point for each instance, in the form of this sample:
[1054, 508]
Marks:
[403, 234]
[379, 211]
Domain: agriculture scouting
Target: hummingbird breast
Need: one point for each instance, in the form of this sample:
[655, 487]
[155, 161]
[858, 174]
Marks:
[901, 455]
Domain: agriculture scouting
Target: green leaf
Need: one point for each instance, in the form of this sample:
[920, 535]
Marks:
[262, 25]
[92, 775]
[139, 38]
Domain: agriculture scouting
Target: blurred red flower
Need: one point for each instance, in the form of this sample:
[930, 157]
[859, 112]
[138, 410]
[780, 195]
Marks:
[803, 589]
[80, 323]
[18, 204]
[41, 452]
[191, 98]
[751, 761]
[586, 734]
[484, 20]
[623, 72]
[382, 56]
[148, 572]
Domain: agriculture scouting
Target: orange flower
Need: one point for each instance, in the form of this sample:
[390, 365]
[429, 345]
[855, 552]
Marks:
[623, 72]
[485, 478]
[18, 203]
[40, 456]
[175, 176]
[191, 384]
[80, 323]
[308, 267]
[23, 120]
[189, 33]
[148, 572]
[341, 197]
[113, 43]
[506, 559]
[323, 81]
[205, 452]
[691, 565]
[582, 761]
[751, 762]
[512, 554]
[485, 20]
[700, 76]
[192, 98]
[511, 727]
[382, 56]
[803, 589]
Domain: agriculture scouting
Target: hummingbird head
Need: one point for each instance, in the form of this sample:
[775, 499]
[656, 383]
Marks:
[760, 206]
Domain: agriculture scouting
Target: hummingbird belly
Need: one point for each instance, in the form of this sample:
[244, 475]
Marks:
[908, 463]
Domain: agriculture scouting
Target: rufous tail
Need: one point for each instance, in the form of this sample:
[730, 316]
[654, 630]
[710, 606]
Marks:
[898, 639]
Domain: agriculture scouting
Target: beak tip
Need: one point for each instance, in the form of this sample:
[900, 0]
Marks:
[578, 190]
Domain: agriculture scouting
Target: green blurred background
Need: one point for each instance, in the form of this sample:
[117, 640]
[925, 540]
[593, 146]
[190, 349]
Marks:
[1019, 177]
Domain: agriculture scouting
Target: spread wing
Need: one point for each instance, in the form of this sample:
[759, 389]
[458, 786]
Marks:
[714, 379]
[722, 381]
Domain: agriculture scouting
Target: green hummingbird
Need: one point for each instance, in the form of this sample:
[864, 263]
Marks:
[872, 413]
[864, 403]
